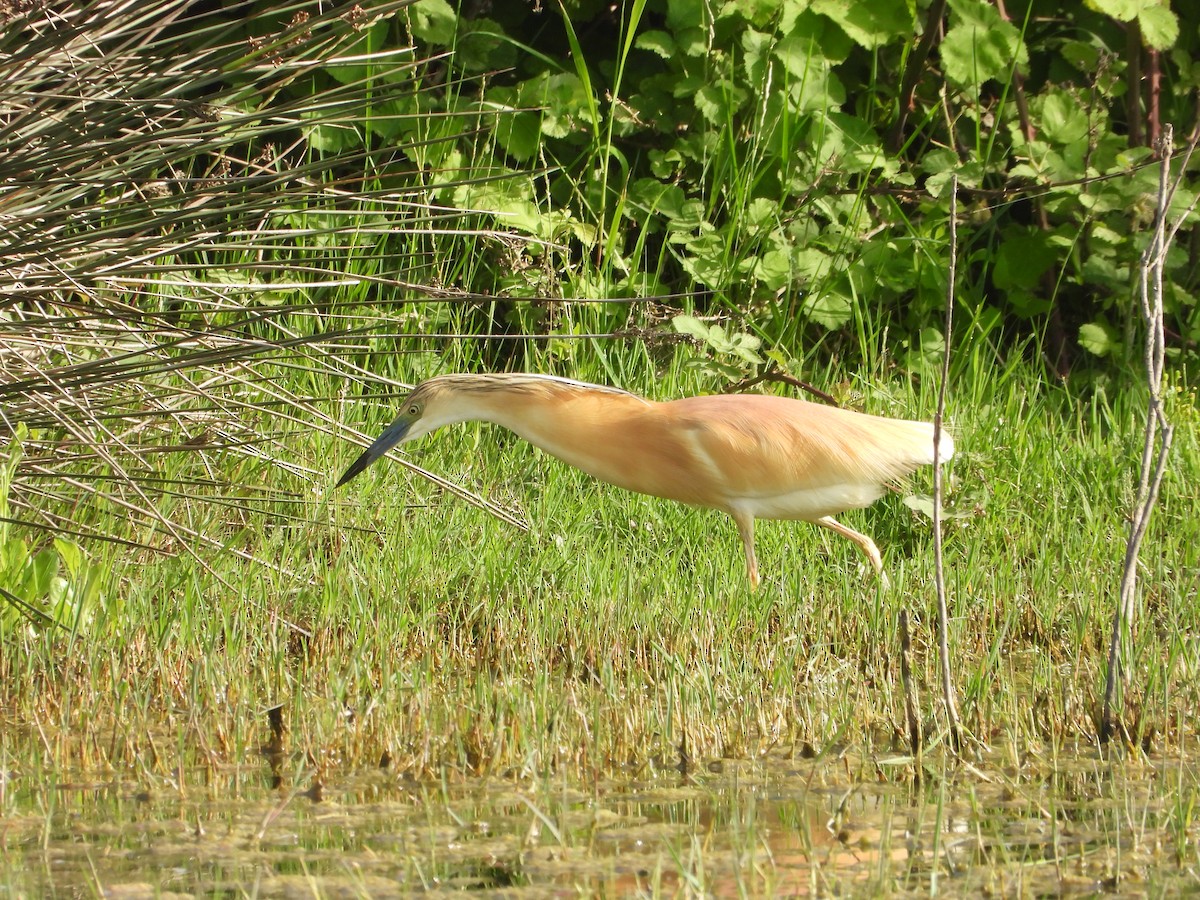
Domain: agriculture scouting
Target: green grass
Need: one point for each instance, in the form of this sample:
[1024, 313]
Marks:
[173, 512]
[618, 623]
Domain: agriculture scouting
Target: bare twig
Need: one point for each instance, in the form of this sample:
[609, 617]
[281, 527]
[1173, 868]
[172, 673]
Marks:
[912, 702]
[1158, 429]
[1153, 97]
[939, 569]
[1019, 87]
[1133, 77]
[914, 68]
[771, 373]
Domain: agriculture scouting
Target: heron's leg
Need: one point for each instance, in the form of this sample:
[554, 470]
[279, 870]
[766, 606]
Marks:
[745, 524]
[865, 543]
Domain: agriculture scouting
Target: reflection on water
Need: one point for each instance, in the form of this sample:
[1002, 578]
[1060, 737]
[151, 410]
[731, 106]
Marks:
[772, 827]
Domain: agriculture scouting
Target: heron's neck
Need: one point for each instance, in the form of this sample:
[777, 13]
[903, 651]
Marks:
[570, 421]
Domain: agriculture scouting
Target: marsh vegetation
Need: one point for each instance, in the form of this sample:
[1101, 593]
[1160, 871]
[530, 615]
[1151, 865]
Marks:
[233, 243]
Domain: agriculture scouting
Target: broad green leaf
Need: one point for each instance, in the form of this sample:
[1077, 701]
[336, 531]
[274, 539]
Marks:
[1063, 118]
[869, 24]
[652, 196]
[1099, 338]
[921, 503]
[846, 141]
[981, 46]
[1082, 55]
[801, 57]
[371, 40]
[704, 260]
[762, 212]
[71, 555]
[41, 574]
[508, 200]
[711, 101]
[562, 100]
[329, 137]
[656, 42]
[926, 350]
[746, 346]
[1021, 258]
[830, 307]
[1026, 303]
[687, 13]
[1122, 10]
[685, 324]
[391, 118]
[434, 21]
[482, 46]
[693, 42]
[756, 47]
[812, 263]
[1160, 27]
[774, 269]
[518, 133]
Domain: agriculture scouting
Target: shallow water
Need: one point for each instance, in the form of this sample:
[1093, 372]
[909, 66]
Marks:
[777, 826]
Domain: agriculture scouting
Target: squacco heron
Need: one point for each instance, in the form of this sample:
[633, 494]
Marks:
[753, 456]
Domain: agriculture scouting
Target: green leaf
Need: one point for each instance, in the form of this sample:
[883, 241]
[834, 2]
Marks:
[355, 72]
[847, 141]
[981, 46]
[869, 24]
[1160, 27]
[746, 346]
[330, 138]
[762, 212]
[693, 42]
[434, 21]
[1027, 304]
[482, 45]
[518, 133]
[774, 269]
[1121, 10]
[1099, 338]
[1082, 55]
[1021, 259]
[690, 325]
[926, 350]
[1063, 118]
[562, 99]
[921, 503]
[656, 42]
[710, 100]
[687, 13]
[830, 307]
[705, 260]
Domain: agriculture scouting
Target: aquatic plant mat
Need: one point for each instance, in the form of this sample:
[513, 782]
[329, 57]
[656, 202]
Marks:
[1034, 823]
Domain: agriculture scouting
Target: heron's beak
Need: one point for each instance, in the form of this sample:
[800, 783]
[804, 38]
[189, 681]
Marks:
[390, 438]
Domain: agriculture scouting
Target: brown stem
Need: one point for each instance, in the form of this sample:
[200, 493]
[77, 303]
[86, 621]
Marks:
[913, 70]
[911, 701]
[1133, 96]
[1019, 88]
[773, 374]
[948, 694]
[1153, 97]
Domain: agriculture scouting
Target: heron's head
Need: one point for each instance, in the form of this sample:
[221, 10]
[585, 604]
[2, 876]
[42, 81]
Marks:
[431, 405]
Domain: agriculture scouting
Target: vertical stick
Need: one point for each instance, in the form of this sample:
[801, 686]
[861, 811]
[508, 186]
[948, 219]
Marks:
[1154, 465]
[912, 702]
[939, 570]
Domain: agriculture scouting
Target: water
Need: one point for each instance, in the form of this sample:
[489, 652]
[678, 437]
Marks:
[841, 825]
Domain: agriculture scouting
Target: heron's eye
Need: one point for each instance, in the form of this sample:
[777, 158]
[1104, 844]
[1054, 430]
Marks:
[414, 410]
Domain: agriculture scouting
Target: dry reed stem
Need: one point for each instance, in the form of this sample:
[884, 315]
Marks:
[1154, 464]
[948, 695]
